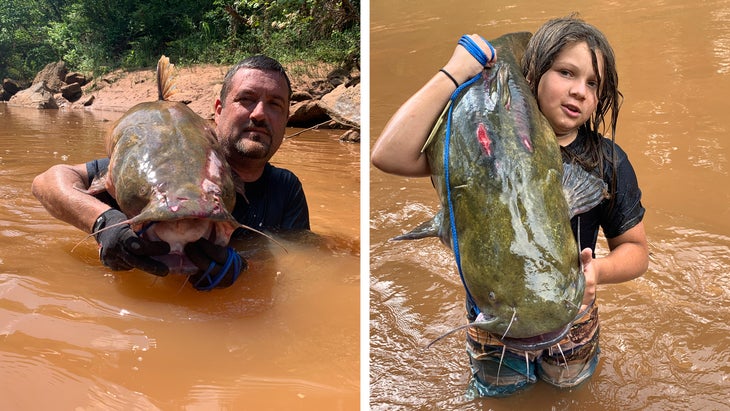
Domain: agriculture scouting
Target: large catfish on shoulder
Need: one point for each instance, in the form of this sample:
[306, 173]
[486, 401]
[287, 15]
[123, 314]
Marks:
[168, 174]
[504, 184]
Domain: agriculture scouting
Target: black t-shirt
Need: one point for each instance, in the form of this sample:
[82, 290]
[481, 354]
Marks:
[615, 220]
[626, 210]
[276, 200]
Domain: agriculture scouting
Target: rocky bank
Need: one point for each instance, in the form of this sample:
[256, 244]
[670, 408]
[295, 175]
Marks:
[323, 97]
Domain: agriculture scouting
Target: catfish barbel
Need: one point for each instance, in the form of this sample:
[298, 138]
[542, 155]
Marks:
[507, 200]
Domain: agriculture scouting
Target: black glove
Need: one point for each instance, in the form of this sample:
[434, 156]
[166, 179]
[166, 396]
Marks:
[122, 249]
[219, 266]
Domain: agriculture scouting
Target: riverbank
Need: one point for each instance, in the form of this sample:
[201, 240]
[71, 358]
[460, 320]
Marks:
[323, 96]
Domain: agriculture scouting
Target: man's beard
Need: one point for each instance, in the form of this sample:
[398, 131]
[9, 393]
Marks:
[251, 144]
[252, 149]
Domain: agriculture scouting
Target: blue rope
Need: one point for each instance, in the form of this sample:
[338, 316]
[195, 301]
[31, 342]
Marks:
[475, 50]
[452, 220]
[145, 228]
[232, 259]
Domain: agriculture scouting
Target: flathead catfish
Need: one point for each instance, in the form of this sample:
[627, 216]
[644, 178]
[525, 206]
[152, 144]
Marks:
[496, 165]
[168, 174]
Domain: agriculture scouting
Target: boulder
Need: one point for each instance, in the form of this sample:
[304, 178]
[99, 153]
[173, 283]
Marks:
[53, 75]
[306, 114]
[299, 95]
[71, 92]
[351, 136]
[343, 105]
[36, 96]
[75, 77]
[8, 89]
[84, 101]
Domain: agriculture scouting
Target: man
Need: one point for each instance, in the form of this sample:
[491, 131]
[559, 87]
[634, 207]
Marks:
[250, 115]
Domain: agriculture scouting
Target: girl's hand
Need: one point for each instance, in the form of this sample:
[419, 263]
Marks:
[591, 275]
[463, 66]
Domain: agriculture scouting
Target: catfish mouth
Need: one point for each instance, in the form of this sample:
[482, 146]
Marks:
[177, 263]
[178, 233]
[546, 340]
[538, 342]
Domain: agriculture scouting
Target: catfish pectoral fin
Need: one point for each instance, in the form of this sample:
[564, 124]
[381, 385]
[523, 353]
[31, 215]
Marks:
[430, 228]
[98, 185]
[424, 230]
[582, 190]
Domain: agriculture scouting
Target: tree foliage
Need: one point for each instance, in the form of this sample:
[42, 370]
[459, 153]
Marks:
[100, 35]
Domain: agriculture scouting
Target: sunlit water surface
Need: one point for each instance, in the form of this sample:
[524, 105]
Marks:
[75, 335]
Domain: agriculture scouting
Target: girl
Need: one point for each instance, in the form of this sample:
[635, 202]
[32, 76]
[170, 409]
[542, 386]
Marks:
[572, 73]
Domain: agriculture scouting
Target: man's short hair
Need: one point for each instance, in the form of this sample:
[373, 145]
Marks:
[258, 62]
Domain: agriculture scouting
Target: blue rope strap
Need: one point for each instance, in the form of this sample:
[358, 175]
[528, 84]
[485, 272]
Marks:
[476, 51]
[145, 228]
[233, 259]
[452, 220]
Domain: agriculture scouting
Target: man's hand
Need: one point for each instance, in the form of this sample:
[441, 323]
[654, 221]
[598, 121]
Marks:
[219, 266]
[122, 249]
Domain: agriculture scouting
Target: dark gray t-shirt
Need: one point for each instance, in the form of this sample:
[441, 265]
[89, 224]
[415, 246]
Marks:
[626, 210]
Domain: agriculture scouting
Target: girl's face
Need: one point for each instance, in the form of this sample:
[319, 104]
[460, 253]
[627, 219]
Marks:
[568, 91]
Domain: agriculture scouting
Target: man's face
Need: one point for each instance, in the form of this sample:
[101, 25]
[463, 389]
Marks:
[250, 124]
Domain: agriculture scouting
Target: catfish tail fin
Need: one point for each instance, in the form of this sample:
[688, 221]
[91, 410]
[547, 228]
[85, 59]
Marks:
[165, 84]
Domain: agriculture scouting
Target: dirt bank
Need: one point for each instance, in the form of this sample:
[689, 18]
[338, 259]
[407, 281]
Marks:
[198, 86]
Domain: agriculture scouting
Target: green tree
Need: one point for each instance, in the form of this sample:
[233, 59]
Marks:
[100, 35]
[23, 50]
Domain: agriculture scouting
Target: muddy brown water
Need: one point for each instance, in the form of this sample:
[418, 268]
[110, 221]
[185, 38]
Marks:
[665, 337]
[75, 335]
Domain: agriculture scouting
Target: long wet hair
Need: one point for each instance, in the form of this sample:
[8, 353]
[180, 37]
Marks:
[543, 48]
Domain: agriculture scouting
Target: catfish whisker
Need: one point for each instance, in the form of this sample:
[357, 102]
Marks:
[187, 278]
[501, 359]
[514, 314]
[565, 360]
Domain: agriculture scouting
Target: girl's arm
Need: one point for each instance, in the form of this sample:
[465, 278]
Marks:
[398, 149]
[628, 259]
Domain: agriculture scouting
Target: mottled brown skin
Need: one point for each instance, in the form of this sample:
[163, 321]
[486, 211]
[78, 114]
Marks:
[518, 254]
[164, 149]
[166, 167]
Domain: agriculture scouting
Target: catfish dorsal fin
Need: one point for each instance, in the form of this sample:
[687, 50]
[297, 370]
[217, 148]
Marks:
[582, 190]
[98, 185]
[165, 84]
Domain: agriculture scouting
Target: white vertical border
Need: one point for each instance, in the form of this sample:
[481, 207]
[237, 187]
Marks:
[365, 205]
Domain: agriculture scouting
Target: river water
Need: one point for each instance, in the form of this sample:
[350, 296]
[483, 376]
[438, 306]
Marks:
[665, 337]
[75, 335]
